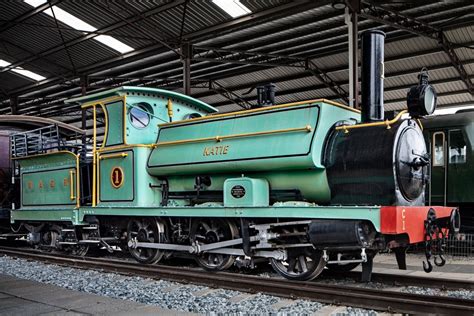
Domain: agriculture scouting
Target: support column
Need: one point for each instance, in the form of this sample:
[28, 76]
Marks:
[351, 20]
[84, 85]
[186, 53]
[14, 105]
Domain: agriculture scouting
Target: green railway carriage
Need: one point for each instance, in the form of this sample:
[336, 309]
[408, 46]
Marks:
[451, 142]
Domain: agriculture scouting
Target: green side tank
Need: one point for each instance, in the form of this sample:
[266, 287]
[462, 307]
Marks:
[282, 144]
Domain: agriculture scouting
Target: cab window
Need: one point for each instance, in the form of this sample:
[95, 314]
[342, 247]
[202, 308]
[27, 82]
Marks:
[438, 149]
[457, 147]
[140, 115]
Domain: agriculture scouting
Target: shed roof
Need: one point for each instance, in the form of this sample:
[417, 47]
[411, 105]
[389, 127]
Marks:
[231, 56]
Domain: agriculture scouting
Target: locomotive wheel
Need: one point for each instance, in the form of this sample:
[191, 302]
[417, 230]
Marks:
[145, 230]
[49, 240]
[301, 265]
[210, 231]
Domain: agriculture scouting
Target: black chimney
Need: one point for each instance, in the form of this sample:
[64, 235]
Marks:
[372, 76]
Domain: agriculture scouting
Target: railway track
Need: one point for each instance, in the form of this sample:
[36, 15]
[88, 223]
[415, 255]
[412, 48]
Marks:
[376, 299]
[405, 280]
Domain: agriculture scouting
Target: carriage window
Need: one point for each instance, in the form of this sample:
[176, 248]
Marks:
[457, 147]
[438, 149]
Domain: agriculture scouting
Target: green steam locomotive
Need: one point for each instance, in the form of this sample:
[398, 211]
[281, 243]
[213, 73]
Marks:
[303, 185]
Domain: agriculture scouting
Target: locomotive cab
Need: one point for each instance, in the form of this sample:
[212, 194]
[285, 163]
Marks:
[125, 124]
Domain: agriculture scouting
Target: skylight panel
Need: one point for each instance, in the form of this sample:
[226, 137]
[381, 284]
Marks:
[232, 7]
[4, 63]
[23, 72]
[29, 74]
[114, 43]
[80, 25]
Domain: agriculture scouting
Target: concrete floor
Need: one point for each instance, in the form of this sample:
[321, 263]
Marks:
[24, 297]
[455, 268]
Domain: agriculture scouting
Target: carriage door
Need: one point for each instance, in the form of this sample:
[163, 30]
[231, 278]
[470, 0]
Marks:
[437, 192]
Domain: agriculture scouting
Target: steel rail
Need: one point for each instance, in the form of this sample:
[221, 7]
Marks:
[376, 299]
[404, 280]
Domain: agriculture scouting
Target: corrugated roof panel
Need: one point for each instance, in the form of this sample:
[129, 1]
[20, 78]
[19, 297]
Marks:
[395, 94]
[450, 86]
[395, 106]
[465, 53]
[12, 52]
[261, 75]
[453, 99]
[255, 6]
[97, 14]
[331, 61]
[414, 61]
[36, 38]
[198, 15]
[469, 68]
[314, 28]
[318, 31]
[409, 46]
[10, 80]
[84, 54]
[461, 35]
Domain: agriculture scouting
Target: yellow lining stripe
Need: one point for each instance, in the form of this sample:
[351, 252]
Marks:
[268, 108]
[45, 154]
[126, 146]
[124, 99]
[386, 123]
[307, 128]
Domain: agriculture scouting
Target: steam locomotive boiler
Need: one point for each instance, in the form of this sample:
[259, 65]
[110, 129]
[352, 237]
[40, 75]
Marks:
[303, 185]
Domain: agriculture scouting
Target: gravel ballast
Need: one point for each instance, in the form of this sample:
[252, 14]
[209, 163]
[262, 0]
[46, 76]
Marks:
[188, 297]
[165, 294]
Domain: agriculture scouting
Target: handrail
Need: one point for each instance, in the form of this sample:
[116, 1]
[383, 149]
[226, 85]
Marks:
[387, 123]
[71, 184]
[217, 138]
[118, 155]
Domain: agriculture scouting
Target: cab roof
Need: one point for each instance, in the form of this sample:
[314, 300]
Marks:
[127, 90]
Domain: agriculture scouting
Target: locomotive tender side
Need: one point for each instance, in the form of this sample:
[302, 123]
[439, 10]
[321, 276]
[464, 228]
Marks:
[168, 177]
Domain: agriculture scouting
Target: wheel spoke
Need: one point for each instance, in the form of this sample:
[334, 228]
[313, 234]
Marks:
[145, 230]
[212, 231]
[302, 264]
[292, 265]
